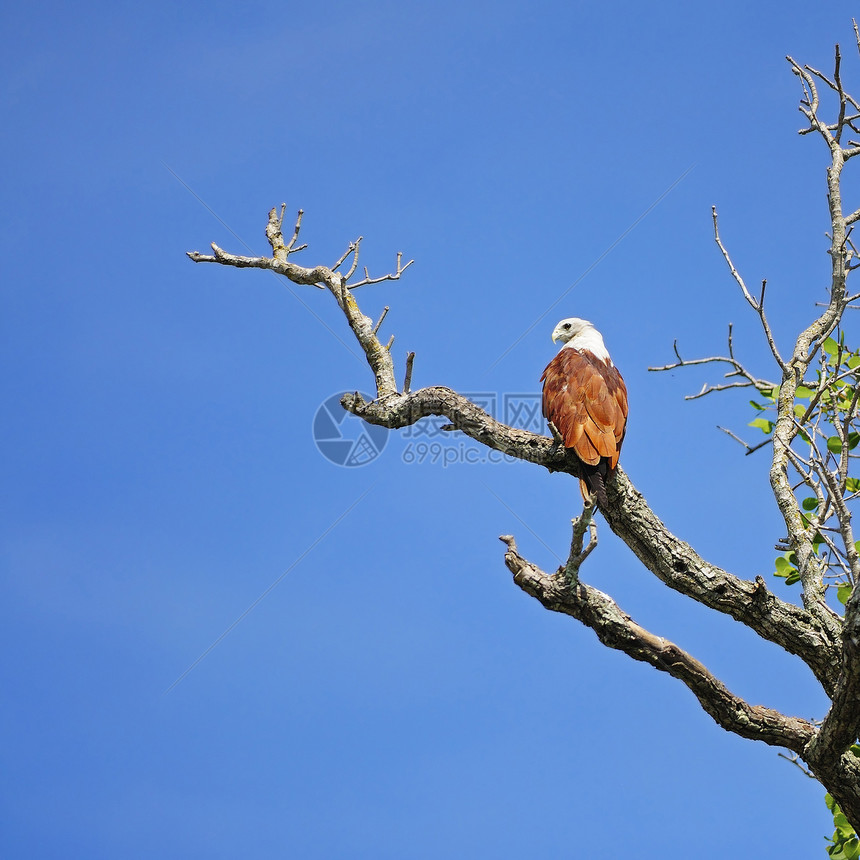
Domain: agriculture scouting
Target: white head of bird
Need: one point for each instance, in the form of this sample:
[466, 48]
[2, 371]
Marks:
[581, 334]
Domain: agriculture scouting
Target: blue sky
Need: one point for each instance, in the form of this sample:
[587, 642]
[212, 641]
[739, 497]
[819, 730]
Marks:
[395, 695]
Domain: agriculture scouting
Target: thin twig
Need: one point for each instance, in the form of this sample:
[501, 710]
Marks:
[794, 759]
[393, 276]
[382, 316]
[407, 382]
[292, 242]
[354, 266]
[750, 449]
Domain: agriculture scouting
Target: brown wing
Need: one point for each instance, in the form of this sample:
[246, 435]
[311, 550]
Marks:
[586, 399]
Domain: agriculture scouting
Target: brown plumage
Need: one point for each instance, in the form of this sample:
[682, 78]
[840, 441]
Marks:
[585, 398]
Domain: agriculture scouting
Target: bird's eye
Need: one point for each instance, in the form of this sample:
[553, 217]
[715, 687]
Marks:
[567, 325]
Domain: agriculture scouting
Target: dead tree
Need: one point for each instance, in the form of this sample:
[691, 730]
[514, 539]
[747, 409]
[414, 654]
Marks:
[819, 539]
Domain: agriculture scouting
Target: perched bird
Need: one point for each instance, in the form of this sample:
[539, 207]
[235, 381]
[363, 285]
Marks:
[585, 398]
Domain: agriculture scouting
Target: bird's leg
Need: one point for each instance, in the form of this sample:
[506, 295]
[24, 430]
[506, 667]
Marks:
[556, 436]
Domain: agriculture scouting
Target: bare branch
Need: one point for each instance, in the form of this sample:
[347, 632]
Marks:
[355, 246]
[757, 306]
[273, 233]
[291, 249]
[275, 237]
[394, 276]
[670, 559]
[584, 522]
[352, 248]
[794, 759]
[617, 630]
[766, 326]
[735, 437]
[407, 382]
[750, 449]
[735, 274]
[297, 274]
[323, 277]
[382, 316]
[708, 389]
[809, 105]
[843, 516]
[737, 370]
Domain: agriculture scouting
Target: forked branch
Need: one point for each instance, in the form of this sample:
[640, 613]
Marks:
[617, 630]
[756, 305]
[581, 524]
[746, 378]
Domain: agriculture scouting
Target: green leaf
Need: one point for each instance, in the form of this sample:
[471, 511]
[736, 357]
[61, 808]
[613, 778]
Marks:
[763, 424]
[854, 361]
[853, 439]
[803, 392]
[852, 485]
[757, 406]
[847, 849]
[845, 846]
[810, 503]
[799, 410]
[834, 445]
[843, 593]
[783, 568]
[844, 839]
[790, 580]
[769, 393]
[830, 346]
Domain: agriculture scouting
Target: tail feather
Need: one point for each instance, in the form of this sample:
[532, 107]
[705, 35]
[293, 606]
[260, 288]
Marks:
[592, 483]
